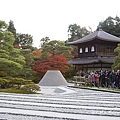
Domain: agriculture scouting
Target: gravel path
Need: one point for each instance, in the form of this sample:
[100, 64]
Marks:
[81, 104]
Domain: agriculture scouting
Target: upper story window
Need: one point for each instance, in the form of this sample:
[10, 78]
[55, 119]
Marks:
[86, 49]
[92, 49]
[81, 50]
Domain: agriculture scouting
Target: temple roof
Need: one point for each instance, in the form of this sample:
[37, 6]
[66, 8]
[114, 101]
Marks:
[98, 34]
[82, 61]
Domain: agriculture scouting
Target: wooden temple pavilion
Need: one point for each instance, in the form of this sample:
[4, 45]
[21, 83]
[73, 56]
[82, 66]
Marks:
[95, 51]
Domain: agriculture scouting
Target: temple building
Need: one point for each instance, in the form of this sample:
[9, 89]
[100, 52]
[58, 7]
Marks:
[95, 51]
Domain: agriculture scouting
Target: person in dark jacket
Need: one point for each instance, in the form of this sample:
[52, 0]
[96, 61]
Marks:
[107, 82]
[117, 82]
[102, 78]
[113, 78]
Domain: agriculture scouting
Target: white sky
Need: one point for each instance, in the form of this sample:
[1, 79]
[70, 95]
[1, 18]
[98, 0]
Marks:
[51, 18]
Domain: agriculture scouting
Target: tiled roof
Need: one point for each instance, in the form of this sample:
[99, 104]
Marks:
[100, 34]
[82, 61]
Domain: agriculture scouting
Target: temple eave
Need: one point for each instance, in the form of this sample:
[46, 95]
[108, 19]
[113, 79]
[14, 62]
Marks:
[85, 61]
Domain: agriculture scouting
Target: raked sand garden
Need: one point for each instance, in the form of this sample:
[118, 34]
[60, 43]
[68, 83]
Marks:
[60, 103]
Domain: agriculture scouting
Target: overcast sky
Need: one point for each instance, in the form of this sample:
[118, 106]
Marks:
[51, 18]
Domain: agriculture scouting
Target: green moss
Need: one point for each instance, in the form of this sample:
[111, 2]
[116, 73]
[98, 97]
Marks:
[16, 91]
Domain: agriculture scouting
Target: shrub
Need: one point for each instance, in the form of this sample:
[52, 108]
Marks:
[3, 83]
[32, 88]
[17, 81]
[3, 74]
[37, 80]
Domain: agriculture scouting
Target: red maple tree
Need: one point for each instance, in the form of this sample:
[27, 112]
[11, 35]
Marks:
[56, 62]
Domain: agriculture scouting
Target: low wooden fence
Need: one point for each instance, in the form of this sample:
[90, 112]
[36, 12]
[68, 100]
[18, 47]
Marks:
[82, 81]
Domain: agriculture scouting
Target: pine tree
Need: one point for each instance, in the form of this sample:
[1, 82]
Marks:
[11, 28]
[11, 61]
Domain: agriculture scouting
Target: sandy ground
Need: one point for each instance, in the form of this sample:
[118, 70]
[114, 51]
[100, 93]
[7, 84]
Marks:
[60, 103]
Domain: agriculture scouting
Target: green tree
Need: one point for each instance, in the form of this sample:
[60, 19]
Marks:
[111, 25]
[3, 26]
[27, 71]
[56, 47]
[11, 61]
[76, 32]
[24, 40]
[116, 64]
[11, 28]
[44, 41]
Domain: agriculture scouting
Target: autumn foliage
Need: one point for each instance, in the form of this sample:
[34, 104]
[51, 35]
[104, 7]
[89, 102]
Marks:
[56, 62]
[37, 53]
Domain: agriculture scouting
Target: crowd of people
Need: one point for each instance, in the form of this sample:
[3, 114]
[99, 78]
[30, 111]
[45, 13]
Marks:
[109, 79]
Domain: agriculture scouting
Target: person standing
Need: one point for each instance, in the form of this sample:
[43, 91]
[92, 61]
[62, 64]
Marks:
[113, 78]
[117, 82]
[97, 79]
[92, 75]
[107, 82]
[102, 78]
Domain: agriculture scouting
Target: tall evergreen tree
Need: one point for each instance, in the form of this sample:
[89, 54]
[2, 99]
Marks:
[44, 41]
[11, 61]
[111, 25]
[76, 32]
[27, 71]
[11, 28]
[24, 40]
